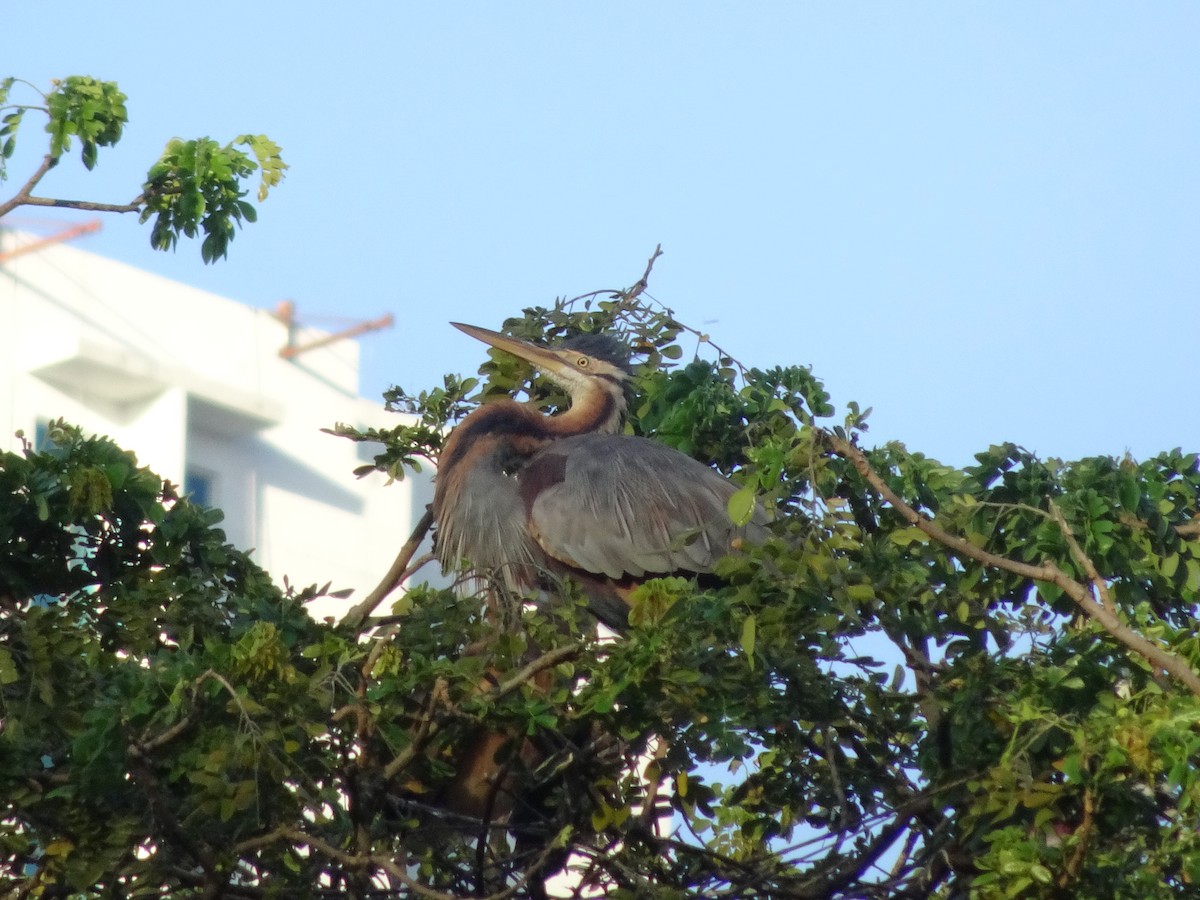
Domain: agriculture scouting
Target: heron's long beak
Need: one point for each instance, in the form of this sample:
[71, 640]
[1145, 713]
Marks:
[548, 361]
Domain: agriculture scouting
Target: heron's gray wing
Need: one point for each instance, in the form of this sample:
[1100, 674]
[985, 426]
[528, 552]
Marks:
[616, 505]
[480, 520]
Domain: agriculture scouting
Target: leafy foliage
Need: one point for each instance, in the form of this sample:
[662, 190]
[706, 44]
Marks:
[194, 187]
[928, 682]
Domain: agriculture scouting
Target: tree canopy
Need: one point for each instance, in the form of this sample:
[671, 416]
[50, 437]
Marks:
[929, 681]
[195, 187]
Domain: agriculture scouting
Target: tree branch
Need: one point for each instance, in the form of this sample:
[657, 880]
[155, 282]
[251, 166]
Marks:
[1047, 571]
[547, 660]
[394, 577]
[1084, 835]
[87, 205]
[22, 195]
[1082, 559]
[852, 869]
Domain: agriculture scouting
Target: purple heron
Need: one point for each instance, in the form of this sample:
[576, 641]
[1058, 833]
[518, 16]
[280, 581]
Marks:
[521, 495]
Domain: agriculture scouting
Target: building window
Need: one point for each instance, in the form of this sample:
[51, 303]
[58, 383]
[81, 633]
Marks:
[198, 486]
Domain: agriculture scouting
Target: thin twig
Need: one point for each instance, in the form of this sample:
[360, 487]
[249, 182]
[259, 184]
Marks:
[143, 775]
[906, 852]
[24, 196]
[361, 861]
[635, 290]
[830, 742]
[703, 338]
[649, 806]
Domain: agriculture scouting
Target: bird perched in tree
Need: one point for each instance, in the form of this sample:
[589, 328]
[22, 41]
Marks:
[521, 495]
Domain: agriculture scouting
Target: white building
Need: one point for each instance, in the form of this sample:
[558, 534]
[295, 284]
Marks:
[195, 385]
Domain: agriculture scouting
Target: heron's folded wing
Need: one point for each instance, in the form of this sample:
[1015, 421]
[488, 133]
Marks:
[616, 505]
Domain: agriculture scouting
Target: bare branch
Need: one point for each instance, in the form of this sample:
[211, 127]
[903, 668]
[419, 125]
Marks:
[380, 643]
[635, 290]
[144, 776]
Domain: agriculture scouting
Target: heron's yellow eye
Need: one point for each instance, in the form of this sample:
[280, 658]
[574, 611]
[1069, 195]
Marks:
[583, 362]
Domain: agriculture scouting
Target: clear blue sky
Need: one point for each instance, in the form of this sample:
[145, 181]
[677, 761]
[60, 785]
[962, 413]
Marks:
[981, 219]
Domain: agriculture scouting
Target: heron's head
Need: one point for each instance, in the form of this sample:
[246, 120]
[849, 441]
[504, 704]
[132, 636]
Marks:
[580, 364]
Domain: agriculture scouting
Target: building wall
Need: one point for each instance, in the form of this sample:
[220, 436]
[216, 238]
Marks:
[193, 383]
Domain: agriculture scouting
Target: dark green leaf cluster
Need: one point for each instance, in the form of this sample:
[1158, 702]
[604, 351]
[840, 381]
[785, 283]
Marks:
[196, 186]
[928, 682]
[151, 686]
[86, 109]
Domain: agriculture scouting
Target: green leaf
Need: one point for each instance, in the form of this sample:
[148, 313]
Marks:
[860, 593]
[1041, 874]
[906, 536]
[8, 668]
[1130, 493]
[741, 505]
[1193, 575]
[749, 636]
